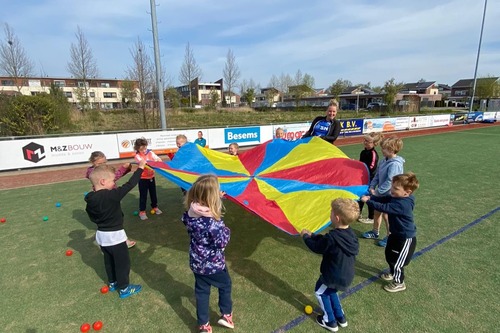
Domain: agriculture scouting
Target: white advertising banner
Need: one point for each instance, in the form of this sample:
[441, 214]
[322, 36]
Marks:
[161, 142]
[37, 152]
[385, 124]
[292, 131]
[440, 120]
[419, 122]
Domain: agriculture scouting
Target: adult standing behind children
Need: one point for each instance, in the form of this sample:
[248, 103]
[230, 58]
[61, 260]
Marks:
[200, 140]
[104, 209]
[326, 127]
[208, 239]
[233, 149]
[147, 182]
[402, 239]
[369, 157]
[339, 248]
[98, 158]
[380, 186]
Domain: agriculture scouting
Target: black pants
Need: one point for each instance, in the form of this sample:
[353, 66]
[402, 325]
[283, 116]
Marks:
[371, 210]
[398, 253]
[117, 264]
[146, 185]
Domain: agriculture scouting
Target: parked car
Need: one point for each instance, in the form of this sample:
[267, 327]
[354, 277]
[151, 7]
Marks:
[350, 106]
[376, 105]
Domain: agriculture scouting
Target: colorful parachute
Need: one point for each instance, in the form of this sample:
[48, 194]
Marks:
[290, 184]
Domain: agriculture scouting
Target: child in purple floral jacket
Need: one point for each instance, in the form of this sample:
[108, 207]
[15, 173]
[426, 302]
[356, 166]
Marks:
[208, 238]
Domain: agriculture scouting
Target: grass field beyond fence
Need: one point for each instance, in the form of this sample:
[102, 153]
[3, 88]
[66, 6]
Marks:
[453, 287]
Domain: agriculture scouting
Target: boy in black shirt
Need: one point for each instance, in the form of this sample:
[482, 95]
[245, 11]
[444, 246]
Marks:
[104, 209]
[339, 248]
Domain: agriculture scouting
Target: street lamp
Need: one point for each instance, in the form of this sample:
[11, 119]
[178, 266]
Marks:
[477, 60]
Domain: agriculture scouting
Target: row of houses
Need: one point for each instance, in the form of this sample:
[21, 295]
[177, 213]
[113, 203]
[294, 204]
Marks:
[108, 93]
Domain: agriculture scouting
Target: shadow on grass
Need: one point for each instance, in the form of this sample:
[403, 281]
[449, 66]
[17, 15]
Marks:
[156, 276]
[247, 232]
[89, 252]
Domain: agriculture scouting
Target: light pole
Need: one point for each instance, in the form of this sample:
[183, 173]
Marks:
[471, 102]
[159, 82]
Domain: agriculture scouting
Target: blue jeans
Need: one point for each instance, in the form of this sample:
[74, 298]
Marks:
[202, 285]
[329, 301]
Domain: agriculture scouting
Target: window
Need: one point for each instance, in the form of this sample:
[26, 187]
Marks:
[59, 83]
[109, 95]
[104, 85]
[92, 94]
[68, 94]
[7, 82]
[83, 84]
[461, 93]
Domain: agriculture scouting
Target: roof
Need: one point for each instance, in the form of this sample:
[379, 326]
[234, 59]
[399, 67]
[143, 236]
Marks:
[467, 83]
[418, 85]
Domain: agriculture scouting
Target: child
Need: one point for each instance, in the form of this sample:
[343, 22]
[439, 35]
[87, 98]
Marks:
[280, 134]
[209, 237]
[200, 140]
[233, 149]
[402, 238]
[98, 158]
[104, 209]
[380, 186]
[180, 140]
[339, 249]
[369, 157]
[147, 182]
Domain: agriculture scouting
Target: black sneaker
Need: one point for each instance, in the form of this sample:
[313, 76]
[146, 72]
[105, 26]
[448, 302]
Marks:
[331, 326]
[342, 322]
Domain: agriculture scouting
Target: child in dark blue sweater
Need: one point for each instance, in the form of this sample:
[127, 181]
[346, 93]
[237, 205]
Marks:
[339, 248]
[402, 239]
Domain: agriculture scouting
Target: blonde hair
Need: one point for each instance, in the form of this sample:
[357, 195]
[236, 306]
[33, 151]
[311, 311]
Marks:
[406, 180]
[182, 137]
[95, 155]
[206, 192]
[333, 102]
[101, 172]
[393, 144]
[346, 209]
[375, 137]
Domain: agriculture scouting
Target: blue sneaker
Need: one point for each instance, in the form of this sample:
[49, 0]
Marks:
[330, 326]
[112, 286]
[370, 234]
[130, 290]
[382, 242]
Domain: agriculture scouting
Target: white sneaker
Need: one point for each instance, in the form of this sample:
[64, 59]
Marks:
[157, 211]
[143, 216]
[365, 221]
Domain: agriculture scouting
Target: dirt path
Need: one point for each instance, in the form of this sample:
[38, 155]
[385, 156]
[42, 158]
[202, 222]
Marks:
[58, 174]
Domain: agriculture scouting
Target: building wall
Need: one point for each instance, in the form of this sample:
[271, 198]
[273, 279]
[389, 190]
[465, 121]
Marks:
[103, 93]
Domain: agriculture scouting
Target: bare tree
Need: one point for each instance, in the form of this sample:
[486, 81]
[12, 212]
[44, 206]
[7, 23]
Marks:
[82, 66]
[14, 61]
[231, 73]
[284, 82]
[142, 71]
[189, 71]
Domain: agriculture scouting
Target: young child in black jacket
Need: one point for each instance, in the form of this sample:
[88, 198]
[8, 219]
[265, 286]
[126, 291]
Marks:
[402, 239]
[104, 209]
[339, 248]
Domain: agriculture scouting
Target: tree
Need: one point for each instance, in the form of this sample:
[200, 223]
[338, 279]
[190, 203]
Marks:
[337, 88]
[487, 87]
[298, 77]
[391, 89]
[189, 71]
[172, 97]
[128, 93]
[214, 99]
[249, 96]
[83, 67]
[308, 81]
[231, 73]
[14, 62]
[141, 71]
[284, 81]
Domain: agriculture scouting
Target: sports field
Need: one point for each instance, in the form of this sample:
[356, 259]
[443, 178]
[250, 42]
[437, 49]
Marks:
[452, 284]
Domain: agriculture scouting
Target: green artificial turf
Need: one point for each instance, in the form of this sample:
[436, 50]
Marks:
[452, 287]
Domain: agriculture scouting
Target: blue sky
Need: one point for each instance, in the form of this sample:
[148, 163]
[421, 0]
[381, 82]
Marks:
[358, 40]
